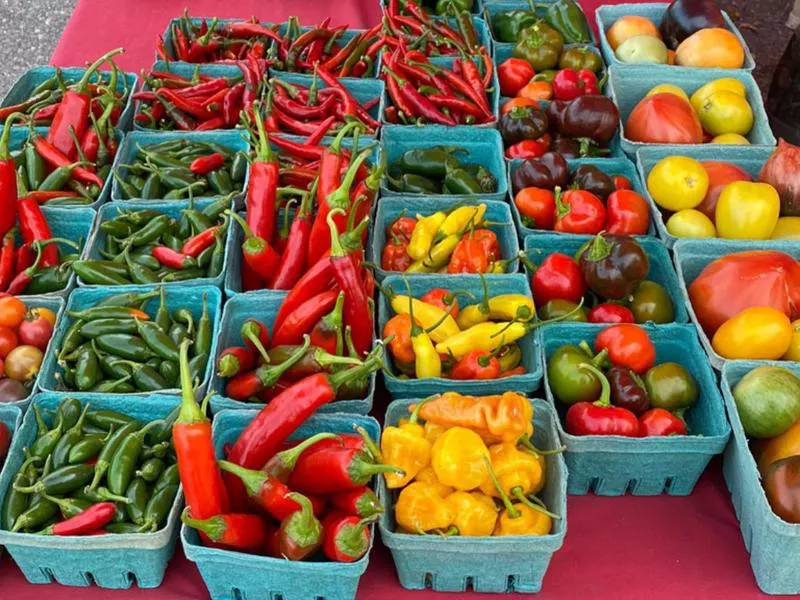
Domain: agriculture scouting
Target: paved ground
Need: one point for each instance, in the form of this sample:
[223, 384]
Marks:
[30, 30]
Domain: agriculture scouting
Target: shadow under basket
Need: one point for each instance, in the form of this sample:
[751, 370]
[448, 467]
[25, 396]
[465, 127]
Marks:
[483, 564]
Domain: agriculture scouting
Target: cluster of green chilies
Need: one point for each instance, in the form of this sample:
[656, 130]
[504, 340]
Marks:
[117, 347]
[146, 246]
[181, 169]
[92, 471]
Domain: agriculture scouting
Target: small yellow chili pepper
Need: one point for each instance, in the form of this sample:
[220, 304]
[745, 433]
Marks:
[500, 418]
[510, 357]
[427, 315]
[406, 447]
[475, 513]
[517, 472]
[433, 431]
[421, 507]
[504, 307]
[427, 475]
[460, 219]
[438, 256]
[459, 459]
[427, 362]
[423, 234]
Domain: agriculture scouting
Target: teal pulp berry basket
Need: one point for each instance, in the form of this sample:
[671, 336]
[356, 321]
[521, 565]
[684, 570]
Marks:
[482, 146]
[692, 256]
[630, 84]
[264, 306]
[770, 540]
[233, 140]
[610, 166]
[483, 564]
[403, 387]
[607, 15]
[112, 561]
[11, 418]
[230, 574]
[540, 246]
[19, 135]
[611, 465]
[749, 158]
[173, 209]
[498, 215]
[35, 76]
[190, 297]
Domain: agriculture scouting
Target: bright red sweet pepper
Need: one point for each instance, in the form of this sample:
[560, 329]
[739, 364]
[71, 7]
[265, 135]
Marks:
[628, 345]
[628, 213]
[558, 278]
[568, 84]
[527, 149]
[513, 74]
[600, 417]
[579, 211]
[610, 313]
[660, 422]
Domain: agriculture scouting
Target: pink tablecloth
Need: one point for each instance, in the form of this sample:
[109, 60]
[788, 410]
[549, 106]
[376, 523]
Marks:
[622, 548]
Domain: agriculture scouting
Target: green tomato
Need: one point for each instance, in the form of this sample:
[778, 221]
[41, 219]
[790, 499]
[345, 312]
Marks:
[642, 50]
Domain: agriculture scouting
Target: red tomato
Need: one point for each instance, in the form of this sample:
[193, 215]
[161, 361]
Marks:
[664, 119]
[442, 298]
[621, 182]
[720, 174]
[558, 278]
[537, 207]
[8, 341]
[610, 313]
[579, 211]
[12, 311]
[35, 331]
[628, 345]
[628, 213]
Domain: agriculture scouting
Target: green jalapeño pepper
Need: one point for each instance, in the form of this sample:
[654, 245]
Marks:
[411, 183]
[540, 45]
[569, 383]
[566, 17]
[122, 467]
[429, 162]
[580, 58]
[508, 24]
[671, 387]
[483, 176]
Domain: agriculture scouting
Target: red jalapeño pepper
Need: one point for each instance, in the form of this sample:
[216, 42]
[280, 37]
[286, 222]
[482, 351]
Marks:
[247, 385]
[600, 417]
[301, 321]
[360, 502]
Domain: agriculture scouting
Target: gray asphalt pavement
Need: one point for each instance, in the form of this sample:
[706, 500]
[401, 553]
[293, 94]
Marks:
[29, 30]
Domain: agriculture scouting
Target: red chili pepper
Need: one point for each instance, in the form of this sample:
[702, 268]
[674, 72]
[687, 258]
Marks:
[233, 530]
[232, 104]
[244, 30]
[394, 256]
[303, 111]
[234, 360]
[328, 333]
[360, 502]
[478, 364]
[206, 164]
[7, 260]
[186, 105]
[660, 422]
[320, 132]
[300, 534]
[34, 226]
[262, 189]
[25, 257]
[628, 213]
[345, 440]
[628, 345]
[579, 211]
[55, 158]
[261, 258]
[8, 179]
[558, 278]
[201, 479]
[351, 105]
[300, 321]
[418, 105]
[199, 242]
[172, 258]
[600, 417]
[347, 537]
[211, 124]
[255, 336]
[72, 117]
[85, 522]
[568, 84]
[610, 313]
[472, 76]
[526, 149]
[247, 385]
[47, 113]
[316, 280]
[180, 44]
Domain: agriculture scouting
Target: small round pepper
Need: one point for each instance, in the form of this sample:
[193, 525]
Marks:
[458, 459]
[671, 387]
[475, 513]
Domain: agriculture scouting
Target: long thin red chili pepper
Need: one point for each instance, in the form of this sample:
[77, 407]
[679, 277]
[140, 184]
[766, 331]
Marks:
[205, 164]
[172, 258]
[7, 260]
[418, 104]
[34, 227]
[200, 241]
[321, 131]
[8, 179]
[55, 158]
[85, 522]
[262, 189]
[302, 320]
[314, 281]
[293, 257]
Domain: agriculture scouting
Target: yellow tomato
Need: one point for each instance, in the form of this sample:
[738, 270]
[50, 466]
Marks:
[47, 314]
[677, 182]
[756, 333]
[730, 138]
[747, 211]
[726, 84]
[668, 88]
[793, 353]
[691, 223]
[788, 228]
[726, 112]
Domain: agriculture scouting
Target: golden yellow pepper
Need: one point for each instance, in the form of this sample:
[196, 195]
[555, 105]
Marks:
[427, 475]
[406, 447]
[503, 307]
[503, 418]
[459, 459]
[427, 362]
[437, 257]
[421, 507]
[461, 219]
[427, 315]
[517, 472]
[475, 513]
[423, 234]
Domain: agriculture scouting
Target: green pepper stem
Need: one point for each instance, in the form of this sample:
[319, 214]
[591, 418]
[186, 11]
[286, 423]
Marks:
[190, 411]
[17, 116]
[336, 245]
[253, 480]
[512, 512]
[605, 394]
[369, 443]
[248, 233]
[264, 151]
[518, 495]
[214, 527]
[80, 87]
[528, 444]
[599, 249]
[288, 458]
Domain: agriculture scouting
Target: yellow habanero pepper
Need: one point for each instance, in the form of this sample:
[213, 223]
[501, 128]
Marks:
[427, 475]
[475, 513]
[427, 315]
[747, 211]
[423, 234]
[521, 518]
[421, 507]
[461, 218]
[433, 431]
[459, 459]
[502, 418]
[406, 447]
[427, 362]
[756, 333]
[519, 473]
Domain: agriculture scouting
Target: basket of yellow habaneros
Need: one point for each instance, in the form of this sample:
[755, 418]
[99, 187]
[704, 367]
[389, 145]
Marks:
[482, 502]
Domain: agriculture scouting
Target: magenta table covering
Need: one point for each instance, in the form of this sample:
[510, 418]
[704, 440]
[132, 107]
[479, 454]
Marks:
[625, 548]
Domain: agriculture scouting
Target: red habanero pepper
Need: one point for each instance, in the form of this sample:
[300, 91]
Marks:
[610, 313]
[478, 364]
[72, 117]
[8, 179]
[357, 311]
[262, 188]
[205, 164]
[579, 211]
[293, 258]
[660, 422]
[7, 260]
[468, 256]
[201, 479]
[360, 502]
[33, 226]
[558, 278]
[197, 243]
[85, 522]
[328, 333]
[347, 537]
[234, 360]
[172, 258]
[256, 337]
[237, 531]
[55, 158]
[443, 299]
[300, 534]
[394, 256]
[601, 417]
[244, 386]
[259, 256]
[301, 321]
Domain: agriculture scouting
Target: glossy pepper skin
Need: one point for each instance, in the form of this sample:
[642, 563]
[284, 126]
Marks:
[670, 386]
[568, 84]
[540, 45]
[660, 422]
[508, 24]
[628, 390]
[558, 277]
[420, 507]
[547, 172]
[580, 58]
[652, 302]
[301, 533]
[243, 532]
[475, 513]
[406, 447]
[593, 116]
[569, 382]
[579, 211]
[600, 417]
[458, 458]
[627, 345]
[628, 213]
[523, 123]
[610, 313]
[782, 486]
[566, 17]
[513, 75]
[592, 179]
[523, 517]
[517, 471]
[614, 265]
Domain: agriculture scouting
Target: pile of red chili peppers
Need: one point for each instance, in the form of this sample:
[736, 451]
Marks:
[406, 25]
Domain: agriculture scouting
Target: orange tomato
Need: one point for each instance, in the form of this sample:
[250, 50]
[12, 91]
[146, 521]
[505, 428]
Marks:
[47, 314]
[664, 119]
[630, 26]
[12, 311]
[537, 90]
[713, 47]
[514, 102]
